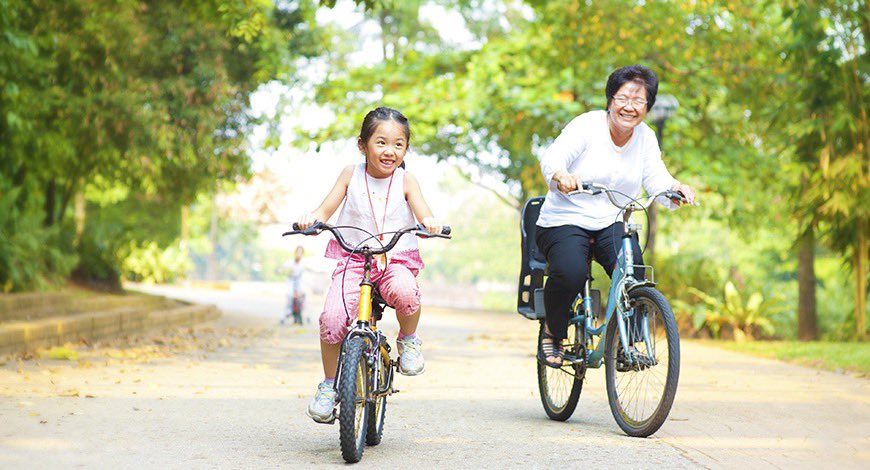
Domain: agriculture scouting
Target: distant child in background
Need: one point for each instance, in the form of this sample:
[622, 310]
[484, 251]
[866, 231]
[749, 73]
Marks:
[379, 196]
[294, 270]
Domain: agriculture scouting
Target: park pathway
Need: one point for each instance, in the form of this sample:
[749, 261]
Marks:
[232, 394]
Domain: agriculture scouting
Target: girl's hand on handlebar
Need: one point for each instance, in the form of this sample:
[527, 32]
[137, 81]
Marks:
[567, 182]
[306, 220]
[432, 224]
[686, 191]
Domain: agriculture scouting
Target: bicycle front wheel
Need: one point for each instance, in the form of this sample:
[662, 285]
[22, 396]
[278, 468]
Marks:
[352, 393]
[377, 410]
[560, 388]
[641, 391]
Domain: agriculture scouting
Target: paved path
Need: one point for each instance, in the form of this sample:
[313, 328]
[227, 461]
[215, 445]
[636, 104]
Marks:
[232, 395]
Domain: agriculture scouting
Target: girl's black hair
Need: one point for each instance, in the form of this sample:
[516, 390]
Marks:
[633, 73]
[376, 116]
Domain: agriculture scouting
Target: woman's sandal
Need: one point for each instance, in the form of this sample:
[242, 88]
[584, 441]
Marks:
[551, 348]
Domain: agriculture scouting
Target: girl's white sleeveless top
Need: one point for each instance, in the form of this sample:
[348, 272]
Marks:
[357, 210]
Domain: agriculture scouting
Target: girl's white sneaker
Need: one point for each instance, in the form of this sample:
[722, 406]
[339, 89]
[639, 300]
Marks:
[322, 407]
[411, 360]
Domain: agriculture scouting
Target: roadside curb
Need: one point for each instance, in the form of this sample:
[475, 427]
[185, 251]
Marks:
[28, 335]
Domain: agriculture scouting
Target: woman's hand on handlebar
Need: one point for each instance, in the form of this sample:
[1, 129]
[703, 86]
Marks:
[306, 220]
[432, 224]
[686, 191]
[567, 182]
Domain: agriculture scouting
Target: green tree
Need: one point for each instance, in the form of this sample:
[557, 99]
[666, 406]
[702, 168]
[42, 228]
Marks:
[821, 108]
[130, 101]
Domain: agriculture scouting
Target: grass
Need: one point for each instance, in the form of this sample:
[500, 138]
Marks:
[836, 356]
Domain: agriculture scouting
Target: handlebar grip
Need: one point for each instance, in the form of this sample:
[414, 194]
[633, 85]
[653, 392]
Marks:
[422, 232]
[313, 230]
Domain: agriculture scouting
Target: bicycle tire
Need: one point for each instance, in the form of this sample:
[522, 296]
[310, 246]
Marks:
[352, 393]
[560, 388]
[377, 411]
[624, 382]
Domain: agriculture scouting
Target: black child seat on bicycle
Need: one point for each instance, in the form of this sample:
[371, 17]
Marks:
[534, 265]
[530, 294]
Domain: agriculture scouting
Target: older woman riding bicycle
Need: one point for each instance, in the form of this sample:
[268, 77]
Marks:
[612, 147]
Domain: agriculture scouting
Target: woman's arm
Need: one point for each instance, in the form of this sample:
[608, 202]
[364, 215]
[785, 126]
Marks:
[331, 202]
[560, 154]
[418, 205]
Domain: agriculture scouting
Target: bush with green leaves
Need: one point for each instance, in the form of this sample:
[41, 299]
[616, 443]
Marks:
[746, 320]
[31, 255]
[98, 260]
[148, 262]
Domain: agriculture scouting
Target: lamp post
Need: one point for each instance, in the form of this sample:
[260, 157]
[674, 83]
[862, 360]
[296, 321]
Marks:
[665, 107]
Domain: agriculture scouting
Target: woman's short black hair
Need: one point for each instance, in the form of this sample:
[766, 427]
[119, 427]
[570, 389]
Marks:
[376, 116]
[633, 73]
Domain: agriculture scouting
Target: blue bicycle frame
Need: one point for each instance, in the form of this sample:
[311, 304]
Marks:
[622, 282]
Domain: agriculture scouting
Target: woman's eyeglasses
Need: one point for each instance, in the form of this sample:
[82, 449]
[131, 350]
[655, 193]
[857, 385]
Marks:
[624, 100]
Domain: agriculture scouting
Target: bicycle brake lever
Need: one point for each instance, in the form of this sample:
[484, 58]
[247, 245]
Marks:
[591, 192]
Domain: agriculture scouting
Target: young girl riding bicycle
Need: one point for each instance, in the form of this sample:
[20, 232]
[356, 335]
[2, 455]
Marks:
[379, 196]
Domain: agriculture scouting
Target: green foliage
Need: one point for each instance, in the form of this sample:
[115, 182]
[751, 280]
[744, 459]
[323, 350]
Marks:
[125, 101]
[98, 260]
[150, 263]
[745, 319]
[772, 95]
[29, 256]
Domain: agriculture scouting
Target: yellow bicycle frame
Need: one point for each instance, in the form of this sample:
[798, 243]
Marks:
[365, 303]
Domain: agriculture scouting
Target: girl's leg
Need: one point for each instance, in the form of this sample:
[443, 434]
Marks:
[399, 288]
[335, 318]
[329, 355]
[333, 327]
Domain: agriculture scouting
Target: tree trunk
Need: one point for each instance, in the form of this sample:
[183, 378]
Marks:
[860, 269]
[211, 261]
[50, 190]
[80, 209]
[806, 274]
[185, 235]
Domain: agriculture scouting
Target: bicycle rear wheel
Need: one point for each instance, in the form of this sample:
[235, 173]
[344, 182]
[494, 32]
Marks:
[560, 388]
[353, 413]
[378, 410]
[641, 393]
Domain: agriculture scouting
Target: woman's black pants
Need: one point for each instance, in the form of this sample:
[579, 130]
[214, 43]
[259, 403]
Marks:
[566, 249]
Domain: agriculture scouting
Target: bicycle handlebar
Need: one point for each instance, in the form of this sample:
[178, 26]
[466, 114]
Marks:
[418, 230]
[595, 189]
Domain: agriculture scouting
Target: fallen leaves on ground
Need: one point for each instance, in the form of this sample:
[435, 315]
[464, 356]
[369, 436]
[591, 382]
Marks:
[147, 347]
[61, 353]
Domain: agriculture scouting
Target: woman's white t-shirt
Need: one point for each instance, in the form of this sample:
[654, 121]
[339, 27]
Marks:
[585, 148]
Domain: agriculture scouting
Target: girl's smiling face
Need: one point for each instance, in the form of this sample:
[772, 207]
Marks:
[385, 149]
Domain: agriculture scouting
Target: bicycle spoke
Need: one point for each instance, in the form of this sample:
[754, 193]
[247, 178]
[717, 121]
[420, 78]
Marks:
[639, 389]
[560, 387]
